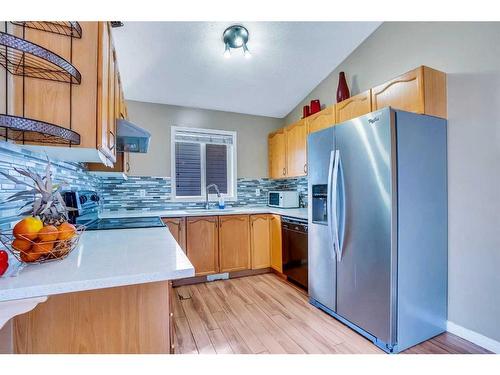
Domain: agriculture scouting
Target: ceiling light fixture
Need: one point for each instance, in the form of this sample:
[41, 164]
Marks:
[235, 36]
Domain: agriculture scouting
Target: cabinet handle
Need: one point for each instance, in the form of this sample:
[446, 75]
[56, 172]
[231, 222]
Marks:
[114, 142]
[305, 168]
[127, 168]
[284, 171]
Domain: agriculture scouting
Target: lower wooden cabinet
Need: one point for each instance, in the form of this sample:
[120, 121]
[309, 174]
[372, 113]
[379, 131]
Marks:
[260, 239]
[177, 226]
[133, 319]
[275, 235]
[202, 244]
[234, 243]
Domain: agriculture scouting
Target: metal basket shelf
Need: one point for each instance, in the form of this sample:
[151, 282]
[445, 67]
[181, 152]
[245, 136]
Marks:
[67, 28]
[22, 129]
[24, 58]
[60, 248]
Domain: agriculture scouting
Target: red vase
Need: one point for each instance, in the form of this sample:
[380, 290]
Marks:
[315, 106]
[305, 111]
[342, 89]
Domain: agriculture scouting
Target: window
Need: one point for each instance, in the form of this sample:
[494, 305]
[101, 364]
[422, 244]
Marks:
[201, 157]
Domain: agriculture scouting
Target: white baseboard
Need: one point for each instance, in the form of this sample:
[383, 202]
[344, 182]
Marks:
[474, 337]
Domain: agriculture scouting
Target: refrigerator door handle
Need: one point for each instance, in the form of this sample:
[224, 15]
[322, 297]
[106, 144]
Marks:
[341, 229]
[329, 203]
[334, 229]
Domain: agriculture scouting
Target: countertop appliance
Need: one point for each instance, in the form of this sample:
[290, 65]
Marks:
[378, 226]
[283, 199]
[294, 250]
[86, 204]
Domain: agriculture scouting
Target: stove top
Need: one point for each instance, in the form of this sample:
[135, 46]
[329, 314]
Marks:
[86, 204]
[124, 223]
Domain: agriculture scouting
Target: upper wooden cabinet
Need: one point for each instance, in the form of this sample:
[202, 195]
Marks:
[355, 106]
[321, 120]
[177, 227]
[89, 108]
[277, 154]
[260, 239]
[202, 244]
[234, 243]
[296, 149]
[422, 90]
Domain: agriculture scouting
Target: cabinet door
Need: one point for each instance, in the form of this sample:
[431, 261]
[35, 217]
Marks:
[296, 139]
[234, 243]
[202, 244]
[275, 234]
[321, 120]
[112, 106]
[260, 238]
[277, 154]
[353, 107]
[103, 98]
[177, 226]
[404, 92]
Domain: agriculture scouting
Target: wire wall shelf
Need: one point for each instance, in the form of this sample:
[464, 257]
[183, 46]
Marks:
[24, 58]
[22, 129]
[68, 28]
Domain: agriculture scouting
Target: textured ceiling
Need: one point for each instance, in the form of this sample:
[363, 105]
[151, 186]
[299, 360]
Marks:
[182, 63]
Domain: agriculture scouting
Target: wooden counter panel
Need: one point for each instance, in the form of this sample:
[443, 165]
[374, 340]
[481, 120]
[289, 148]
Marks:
[129, 319]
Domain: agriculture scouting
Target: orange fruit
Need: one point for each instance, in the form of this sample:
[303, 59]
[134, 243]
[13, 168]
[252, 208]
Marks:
[28, 228]
[66, 231]
[48, 233]
[21, 245]
[30, 257]
[42, 247]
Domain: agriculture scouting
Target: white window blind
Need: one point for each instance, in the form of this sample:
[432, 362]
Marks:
[201, 157]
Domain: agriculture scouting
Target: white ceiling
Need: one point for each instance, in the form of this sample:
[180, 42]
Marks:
[182, 63]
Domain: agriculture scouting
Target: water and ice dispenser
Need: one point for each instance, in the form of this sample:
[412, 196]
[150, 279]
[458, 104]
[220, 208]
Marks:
[319, 201]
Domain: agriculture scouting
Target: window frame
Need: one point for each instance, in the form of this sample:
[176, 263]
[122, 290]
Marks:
[232, 164]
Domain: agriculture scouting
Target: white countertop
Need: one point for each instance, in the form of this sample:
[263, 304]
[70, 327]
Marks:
[300, 213]
[103, 259]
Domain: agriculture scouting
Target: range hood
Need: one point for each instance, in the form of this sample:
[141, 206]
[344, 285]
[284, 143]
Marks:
[131, 138]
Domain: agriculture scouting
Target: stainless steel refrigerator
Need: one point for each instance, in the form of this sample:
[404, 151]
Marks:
[378, 226]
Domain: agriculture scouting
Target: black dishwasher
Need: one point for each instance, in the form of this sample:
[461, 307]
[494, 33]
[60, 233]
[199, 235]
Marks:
[294, 246]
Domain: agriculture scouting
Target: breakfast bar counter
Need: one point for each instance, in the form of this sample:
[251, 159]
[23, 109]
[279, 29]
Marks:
[110, 295]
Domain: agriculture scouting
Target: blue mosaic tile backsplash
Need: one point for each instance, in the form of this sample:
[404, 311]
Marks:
[118, 194]
[12, 156]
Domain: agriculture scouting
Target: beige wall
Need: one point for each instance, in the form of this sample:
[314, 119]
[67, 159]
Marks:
[470, 54]
[251, 131]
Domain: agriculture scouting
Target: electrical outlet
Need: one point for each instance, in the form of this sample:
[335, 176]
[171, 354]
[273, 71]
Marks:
[142, 193]
[257, 192]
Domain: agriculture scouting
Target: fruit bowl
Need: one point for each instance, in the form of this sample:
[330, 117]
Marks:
[29, 250]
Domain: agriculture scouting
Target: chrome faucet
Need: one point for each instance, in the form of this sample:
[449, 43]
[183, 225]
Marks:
[207, 205]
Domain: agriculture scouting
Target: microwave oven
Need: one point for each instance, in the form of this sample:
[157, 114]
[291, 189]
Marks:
[283, 199]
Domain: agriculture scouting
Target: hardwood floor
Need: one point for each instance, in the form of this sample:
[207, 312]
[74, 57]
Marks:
[265, 314]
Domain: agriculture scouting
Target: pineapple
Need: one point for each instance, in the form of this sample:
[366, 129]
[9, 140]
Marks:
[42, 198]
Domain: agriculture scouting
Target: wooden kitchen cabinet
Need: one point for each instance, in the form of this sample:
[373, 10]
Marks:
[202, 244]
[234, 243]
[296, 149]
[177, 226]
[260, 240]
[321, 120]
[275, 239]
[353, 107]
[133, 319]
[422, 90]
[277, 154]
[87, 108]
